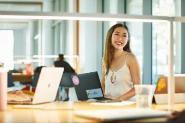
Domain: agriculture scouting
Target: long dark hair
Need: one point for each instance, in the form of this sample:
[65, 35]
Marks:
[109, 49]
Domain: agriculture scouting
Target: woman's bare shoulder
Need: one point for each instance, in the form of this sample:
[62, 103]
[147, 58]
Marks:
[131, 58]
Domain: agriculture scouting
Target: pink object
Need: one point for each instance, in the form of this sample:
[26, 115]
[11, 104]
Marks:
[3, 89]
[75, 80]
[29, 69]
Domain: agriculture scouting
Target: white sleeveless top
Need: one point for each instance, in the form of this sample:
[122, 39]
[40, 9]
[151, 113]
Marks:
[118, 82]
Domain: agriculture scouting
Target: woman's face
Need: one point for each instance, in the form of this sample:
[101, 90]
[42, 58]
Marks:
[119, 38]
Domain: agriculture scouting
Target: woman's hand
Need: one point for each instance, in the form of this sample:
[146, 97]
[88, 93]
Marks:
[118, 99]
[109, 97]
[113, 98]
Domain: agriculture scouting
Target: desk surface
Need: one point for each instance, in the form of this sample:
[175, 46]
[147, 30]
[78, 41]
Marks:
[62, 112]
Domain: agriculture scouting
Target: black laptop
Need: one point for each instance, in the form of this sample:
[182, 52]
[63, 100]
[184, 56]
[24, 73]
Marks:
[89, 87]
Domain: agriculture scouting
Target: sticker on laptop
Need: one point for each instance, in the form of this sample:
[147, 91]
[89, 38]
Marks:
[94, 93]
[75, 80]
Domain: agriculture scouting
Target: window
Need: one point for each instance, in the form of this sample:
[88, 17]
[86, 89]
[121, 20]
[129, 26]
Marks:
[135, 7]
[6, 49]
[160, 36]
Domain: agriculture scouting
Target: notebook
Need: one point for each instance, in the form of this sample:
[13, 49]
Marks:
[89, 87]
[122, 114]
[46, 89]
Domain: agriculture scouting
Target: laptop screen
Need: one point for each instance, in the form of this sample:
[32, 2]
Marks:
[89, 86]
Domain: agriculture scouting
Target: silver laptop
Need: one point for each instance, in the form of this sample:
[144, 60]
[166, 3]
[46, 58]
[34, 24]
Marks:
[47, 86]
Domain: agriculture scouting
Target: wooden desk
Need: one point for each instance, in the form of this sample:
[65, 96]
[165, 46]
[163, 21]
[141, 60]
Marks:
[21, 77]
[61, 112]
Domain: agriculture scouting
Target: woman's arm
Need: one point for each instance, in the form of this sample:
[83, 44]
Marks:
[135, 75]
[134, 69]
[103, 78]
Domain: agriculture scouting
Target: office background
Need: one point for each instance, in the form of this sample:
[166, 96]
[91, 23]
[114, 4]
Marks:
[39, 41]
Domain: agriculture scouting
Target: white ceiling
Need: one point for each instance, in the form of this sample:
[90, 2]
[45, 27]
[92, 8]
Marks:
[21, 1]
[18, 5]
[13, 26]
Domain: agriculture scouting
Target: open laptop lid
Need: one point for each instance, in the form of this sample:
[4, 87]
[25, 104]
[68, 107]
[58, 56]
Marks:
[89, 86]
[66, 80]
[48, 84]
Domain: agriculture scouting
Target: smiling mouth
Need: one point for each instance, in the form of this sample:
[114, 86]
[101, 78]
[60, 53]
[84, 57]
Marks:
[119, 43]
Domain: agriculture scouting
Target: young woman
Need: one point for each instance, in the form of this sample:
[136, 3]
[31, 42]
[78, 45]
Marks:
[120, 69]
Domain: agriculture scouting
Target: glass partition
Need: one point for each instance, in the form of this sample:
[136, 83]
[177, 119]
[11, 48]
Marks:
[82, 42]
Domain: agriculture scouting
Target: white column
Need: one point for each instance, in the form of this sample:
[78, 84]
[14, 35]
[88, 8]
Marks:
[47, 44]
[171, 82]
[29, 40]
[88, 38]
[70, 32]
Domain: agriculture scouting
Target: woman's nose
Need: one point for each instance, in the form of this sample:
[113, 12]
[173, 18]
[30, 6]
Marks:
[120, 38]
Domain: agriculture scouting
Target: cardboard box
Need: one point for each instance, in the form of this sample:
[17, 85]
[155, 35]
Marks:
[161, 96]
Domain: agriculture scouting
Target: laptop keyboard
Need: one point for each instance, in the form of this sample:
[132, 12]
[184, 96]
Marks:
[19, 97]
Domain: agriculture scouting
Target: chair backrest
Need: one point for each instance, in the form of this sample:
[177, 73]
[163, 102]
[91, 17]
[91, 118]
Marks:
[10, 79]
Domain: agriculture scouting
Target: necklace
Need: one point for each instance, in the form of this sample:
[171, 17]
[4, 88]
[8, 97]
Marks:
[113, 78]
